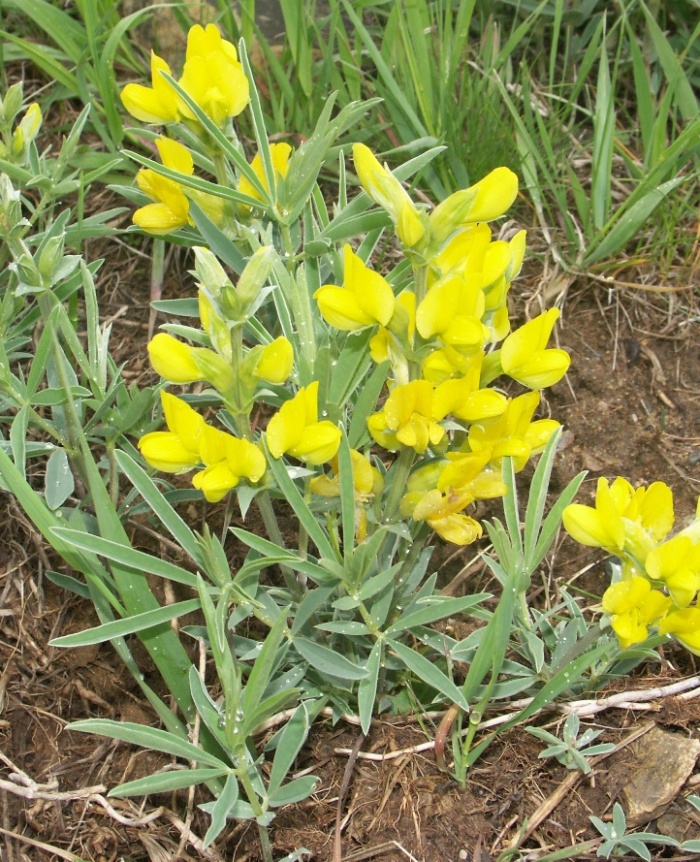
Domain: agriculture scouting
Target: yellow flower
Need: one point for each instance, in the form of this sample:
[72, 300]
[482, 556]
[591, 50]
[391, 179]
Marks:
[486, 200]
[466, 473]
[227, 461]
[464, 253]
[443, 512]
[172, 208]
[177, 449]
[364, 299]
[452, 310]
[280, 154]
[676, 563]
[155, 104]
[173, 359]
[462, 396]
[600, 526]
[275, 361]
[213, 76]
[513, 432]
[384, 189]
[624, 518]
[407, 418]
[684, 625]
[295, 430]
[525, 357]
[634, 606]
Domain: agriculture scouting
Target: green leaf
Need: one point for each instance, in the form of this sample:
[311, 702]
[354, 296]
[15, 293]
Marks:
[630, 222]
[289, 744]
[429, 673]
[128, 626]
[222, 808]
[263, 667]
[293, 791]
[435, 608]
[139, 561]
[148, 737]
[352, 628]
[59, 483]
[217, 241]
[166, 782]
[291, 493]
[327, 661]
[165, 513]
[367, 689]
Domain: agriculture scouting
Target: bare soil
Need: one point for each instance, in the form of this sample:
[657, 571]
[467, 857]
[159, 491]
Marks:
[631, 406]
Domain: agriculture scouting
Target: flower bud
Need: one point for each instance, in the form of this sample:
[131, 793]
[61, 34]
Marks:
[27, 129]
[209, 271]
[51, 255]
[255, 274]
[11, 105]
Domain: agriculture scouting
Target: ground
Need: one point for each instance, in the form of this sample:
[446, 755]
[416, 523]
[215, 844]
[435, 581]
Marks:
[630, 405]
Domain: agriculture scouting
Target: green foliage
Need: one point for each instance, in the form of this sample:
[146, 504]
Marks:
[571, 750]
[342, 613]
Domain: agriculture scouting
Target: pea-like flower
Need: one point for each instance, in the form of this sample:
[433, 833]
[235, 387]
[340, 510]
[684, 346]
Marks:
[365, 299]
[157, 103]
[173, 359]
[367, 483]
[513, 433]
[443, 513]
[213, 76]
[296, 431]
[452, 310]
[676, 563]
[384, 189]
[227, 460]
[525, 357]
[171, 209]
[486, 200]
[622, 518]
[177, 449]
[684, 625]
[408, 418]
[274, 361]
[634, 606]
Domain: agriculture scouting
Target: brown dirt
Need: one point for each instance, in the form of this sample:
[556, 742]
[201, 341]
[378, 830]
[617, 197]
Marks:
[631, 406]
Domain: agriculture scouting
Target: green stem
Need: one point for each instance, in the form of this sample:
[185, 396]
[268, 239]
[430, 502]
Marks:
[299, 299]
[399, 477]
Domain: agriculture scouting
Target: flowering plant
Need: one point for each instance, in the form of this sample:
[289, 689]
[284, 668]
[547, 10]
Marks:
[364, 408]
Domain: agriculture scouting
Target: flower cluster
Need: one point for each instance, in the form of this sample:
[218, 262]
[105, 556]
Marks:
[189, 442]
[438, 336]
[444, 335]
[659, 576]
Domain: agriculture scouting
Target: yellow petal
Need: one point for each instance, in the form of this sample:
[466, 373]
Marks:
[156, 104]
[165, 451]
[318, 443]
[494, 195]
[182, 420]
[173, 360]
[215, 481]
[585, 525]
[276, 361]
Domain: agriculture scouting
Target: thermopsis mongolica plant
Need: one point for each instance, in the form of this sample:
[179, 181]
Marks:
[347, 370]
